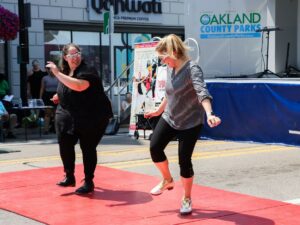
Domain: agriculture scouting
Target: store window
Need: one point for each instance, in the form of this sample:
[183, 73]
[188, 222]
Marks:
[123, 55]
[96, 51]
[54, 42]
[89, 42]
[105, 56]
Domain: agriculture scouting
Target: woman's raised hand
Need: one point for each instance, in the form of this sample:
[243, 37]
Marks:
[52, 67]
[55, 99]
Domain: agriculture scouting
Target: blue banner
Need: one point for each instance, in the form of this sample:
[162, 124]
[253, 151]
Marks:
[240, 35]
[259, 112]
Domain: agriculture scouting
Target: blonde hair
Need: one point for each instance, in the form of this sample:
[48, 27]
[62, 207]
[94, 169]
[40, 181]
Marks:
[172, 46]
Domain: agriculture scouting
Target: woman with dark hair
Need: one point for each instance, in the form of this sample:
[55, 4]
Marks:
[82, 114]
[34, 80]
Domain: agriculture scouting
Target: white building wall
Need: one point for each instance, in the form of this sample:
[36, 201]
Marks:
[227, 47]
[286, 20]
[245, 57]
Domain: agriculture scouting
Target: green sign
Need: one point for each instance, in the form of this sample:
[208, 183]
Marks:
[106, 22]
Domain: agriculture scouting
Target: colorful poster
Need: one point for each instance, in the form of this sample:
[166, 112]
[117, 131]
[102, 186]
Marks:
[160, 84]
[149, 79]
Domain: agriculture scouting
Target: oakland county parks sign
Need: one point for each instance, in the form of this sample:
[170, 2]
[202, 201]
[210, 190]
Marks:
[230, 25]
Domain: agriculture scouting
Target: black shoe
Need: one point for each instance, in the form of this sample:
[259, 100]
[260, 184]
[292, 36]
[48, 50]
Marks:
[86, 188]
[67, 182]
[52, 129]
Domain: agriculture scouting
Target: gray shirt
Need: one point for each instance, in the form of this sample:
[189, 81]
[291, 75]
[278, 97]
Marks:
[50, 83]
[185, 92]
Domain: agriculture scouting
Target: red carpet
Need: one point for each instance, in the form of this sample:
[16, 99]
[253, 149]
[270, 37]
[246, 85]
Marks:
[122, 198]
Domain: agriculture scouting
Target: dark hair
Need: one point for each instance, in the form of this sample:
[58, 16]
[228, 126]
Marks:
[64, 66]
[34, 62]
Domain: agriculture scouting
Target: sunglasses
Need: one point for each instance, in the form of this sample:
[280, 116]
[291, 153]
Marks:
[163, 57]
[74, 55]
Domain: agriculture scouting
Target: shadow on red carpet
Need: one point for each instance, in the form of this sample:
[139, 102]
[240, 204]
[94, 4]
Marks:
[122, 198]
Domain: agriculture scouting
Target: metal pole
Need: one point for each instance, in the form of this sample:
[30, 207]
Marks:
[23, 45]
[267, 55]
[119, 101]
[111, 48]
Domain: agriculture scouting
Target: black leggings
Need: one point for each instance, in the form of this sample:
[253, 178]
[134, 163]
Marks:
[88, 140]
[163, 134]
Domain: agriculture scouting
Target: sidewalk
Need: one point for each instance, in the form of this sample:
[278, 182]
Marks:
[33, 134]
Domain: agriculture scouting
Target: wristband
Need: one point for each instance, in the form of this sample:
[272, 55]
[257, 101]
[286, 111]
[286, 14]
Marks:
[211, 114]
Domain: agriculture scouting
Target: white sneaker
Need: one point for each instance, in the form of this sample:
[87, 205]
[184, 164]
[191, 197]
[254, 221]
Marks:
[163, 185]
[186, 206]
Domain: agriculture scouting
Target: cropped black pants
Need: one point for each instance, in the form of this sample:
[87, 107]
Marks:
[88, 138]
[163, 134]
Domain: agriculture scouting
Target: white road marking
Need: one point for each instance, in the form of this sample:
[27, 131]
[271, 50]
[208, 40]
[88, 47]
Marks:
[294, 201]
[294, 132]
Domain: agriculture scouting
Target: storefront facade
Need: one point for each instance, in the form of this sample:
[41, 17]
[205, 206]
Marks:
[56, 23]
